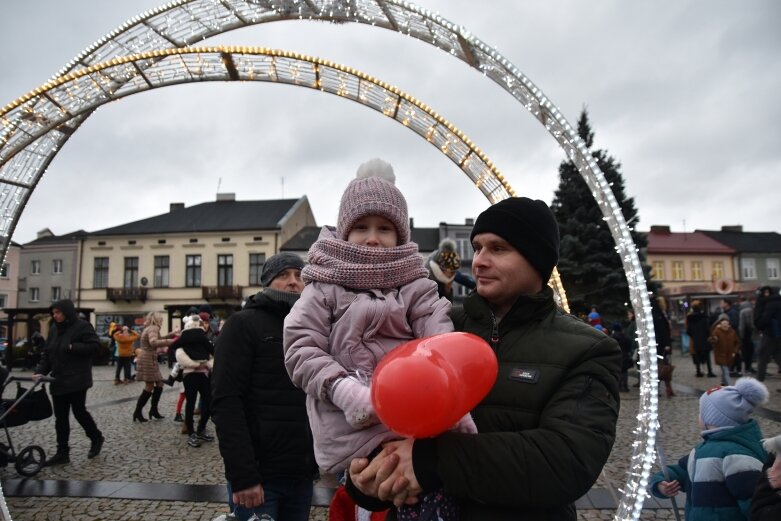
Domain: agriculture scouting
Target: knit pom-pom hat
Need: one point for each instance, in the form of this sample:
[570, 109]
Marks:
[373, 192]
[446, 256]
[732, 405]
[191, 322]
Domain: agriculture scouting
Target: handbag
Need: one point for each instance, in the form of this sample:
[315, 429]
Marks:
[665, 369]
[36, 405]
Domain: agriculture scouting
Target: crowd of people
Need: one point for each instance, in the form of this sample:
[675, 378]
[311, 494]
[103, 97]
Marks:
[287, 380]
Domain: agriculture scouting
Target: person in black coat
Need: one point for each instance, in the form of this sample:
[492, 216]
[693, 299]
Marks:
[261, 420]
[767, 319]
[698, 330]
[70, 347]
[766, 501]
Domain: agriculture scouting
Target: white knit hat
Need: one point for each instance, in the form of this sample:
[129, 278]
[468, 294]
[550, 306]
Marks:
[732, 405]
[373, 192]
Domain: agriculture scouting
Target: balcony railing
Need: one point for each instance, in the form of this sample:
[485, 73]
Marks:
[128, 294]
[222, 292]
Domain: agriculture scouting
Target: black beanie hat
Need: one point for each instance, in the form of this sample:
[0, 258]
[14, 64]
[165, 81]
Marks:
[278, 263]
[529, 226]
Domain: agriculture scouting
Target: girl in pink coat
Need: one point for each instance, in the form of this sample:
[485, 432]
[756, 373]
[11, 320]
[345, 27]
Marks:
[367, 291]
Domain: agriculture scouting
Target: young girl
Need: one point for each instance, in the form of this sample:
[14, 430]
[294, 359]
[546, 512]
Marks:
[726, 345]
[719, 475]
[367, 291]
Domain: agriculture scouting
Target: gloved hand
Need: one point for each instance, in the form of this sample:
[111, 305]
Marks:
[354, 399]
[466, 425]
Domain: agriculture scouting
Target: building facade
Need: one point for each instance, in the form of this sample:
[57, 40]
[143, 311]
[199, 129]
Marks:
[9, 285]
[48, 268]
[211, 253]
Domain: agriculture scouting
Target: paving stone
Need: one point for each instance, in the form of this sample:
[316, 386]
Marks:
[156, 452]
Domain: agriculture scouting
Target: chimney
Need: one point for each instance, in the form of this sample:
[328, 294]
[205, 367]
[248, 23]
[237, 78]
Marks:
[176, 206]
[226, 197]
[660, 228]
[469, 221]
[411, 223]
[732, 228]
[44, 233]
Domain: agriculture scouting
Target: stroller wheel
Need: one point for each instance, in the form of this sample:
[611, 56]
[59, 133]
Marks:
[30, 460]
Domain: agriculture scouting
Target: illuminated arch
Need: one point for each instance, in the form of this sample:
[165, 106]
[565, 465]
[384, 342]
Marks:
[184, 22]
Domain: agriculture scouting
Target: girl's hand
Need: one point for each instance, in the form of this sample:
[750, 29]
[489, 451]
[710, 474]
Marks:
[669, 488]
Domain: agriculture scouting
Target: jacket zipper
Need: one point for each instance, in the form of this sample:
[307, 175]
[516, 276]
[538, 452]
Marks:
[494, 333]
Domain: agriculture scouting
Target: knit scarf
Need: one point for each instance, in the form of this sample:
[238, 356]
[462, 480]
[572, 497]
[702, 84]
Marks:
[286, 297]
[355, 266]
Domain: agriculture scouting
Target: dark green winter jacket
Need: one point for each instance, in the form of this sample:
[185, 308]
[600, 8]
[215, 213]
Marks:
[546, 427]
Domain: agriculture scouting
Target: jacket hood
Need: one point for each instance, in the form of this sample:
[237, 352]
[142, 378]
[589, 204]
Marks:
[67, 308]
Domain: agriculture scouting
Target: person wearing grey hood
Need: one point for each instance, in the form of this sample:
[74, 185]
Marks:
[260, 416]
[67, 356]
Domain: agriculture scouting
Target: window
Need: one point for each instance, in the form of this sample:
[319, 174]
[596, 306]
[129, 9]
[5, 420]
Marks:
[4, 271]
[464, 248]
[161, 271]
[748, 269]
[35, 268]
[34, 294]
[224, 270]
[696, 270]
[57, 266]
[56, 293]
[193, 271]
[256, 262]
[659, 270]
[678, 270]
[718, 270]
[3, 300]
[772, 268]
[100, 273]
[131, 272]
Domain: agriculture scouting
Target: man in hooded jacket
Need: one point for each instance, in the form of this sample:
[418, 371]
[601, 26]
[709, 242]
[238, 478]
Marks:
[70, 347]
[262, 426]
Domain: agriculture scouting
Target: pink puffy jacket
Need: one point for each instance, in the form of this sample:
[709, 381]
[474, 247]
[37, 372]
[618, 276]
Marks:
[333, 332]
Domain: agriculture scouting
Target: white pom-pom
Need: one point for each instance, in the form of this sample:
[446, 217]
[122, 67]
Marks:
[376, 168]
[772, 445]
[752, 390]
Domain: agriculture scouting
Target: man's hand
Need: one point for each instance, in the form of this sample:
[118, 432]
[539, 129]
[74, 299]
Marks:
[36, 377]
[249, 497]
[389, 476]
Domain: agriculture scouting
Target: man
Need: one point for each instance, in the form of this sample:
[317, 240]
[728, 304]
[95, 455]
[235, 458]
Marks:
[547, 426]
[68, 353]
[767, 319]
[746, 334]
[261, 420]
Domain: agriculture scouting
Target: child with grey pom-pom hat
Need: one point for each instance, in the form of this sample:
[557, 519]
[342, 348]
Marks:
[367, 291]
[719, 474]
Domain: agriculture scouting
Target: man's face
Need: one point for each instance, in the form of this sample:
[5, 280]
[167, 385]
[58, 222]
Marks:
[501, 272]
[724, 305]
[288, 280]
[58, 315]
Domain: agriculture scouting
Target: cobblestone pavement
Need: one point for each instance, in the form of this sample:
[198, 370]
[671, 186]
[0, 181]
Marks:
[156, 451]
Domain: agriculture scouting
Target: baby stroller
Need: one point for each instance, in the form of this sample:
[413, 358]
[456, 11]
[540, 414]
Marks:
[29, 405]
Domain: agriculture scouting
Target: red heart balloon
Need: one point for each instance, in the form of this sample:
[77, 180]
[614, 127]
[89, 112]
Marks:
[424, 386]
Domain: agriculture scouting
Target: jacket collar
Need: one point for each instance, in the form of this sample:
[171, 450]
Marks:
[526, 308]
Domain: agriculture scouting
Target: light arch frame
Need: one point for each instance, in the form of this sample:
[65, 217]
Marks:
[183, 22]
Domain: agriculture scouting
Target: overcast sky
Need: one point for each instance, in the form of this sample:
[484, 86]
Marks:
[685, 94]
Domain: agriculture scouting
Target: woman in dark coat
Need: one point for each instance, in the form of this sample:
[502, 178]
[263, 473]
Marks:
[663, 339]
[70, 346]
[698, 329]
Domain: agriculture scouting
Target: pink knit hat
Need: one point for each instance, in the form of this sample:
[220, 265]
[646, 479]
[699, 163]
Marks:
[373, 192]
